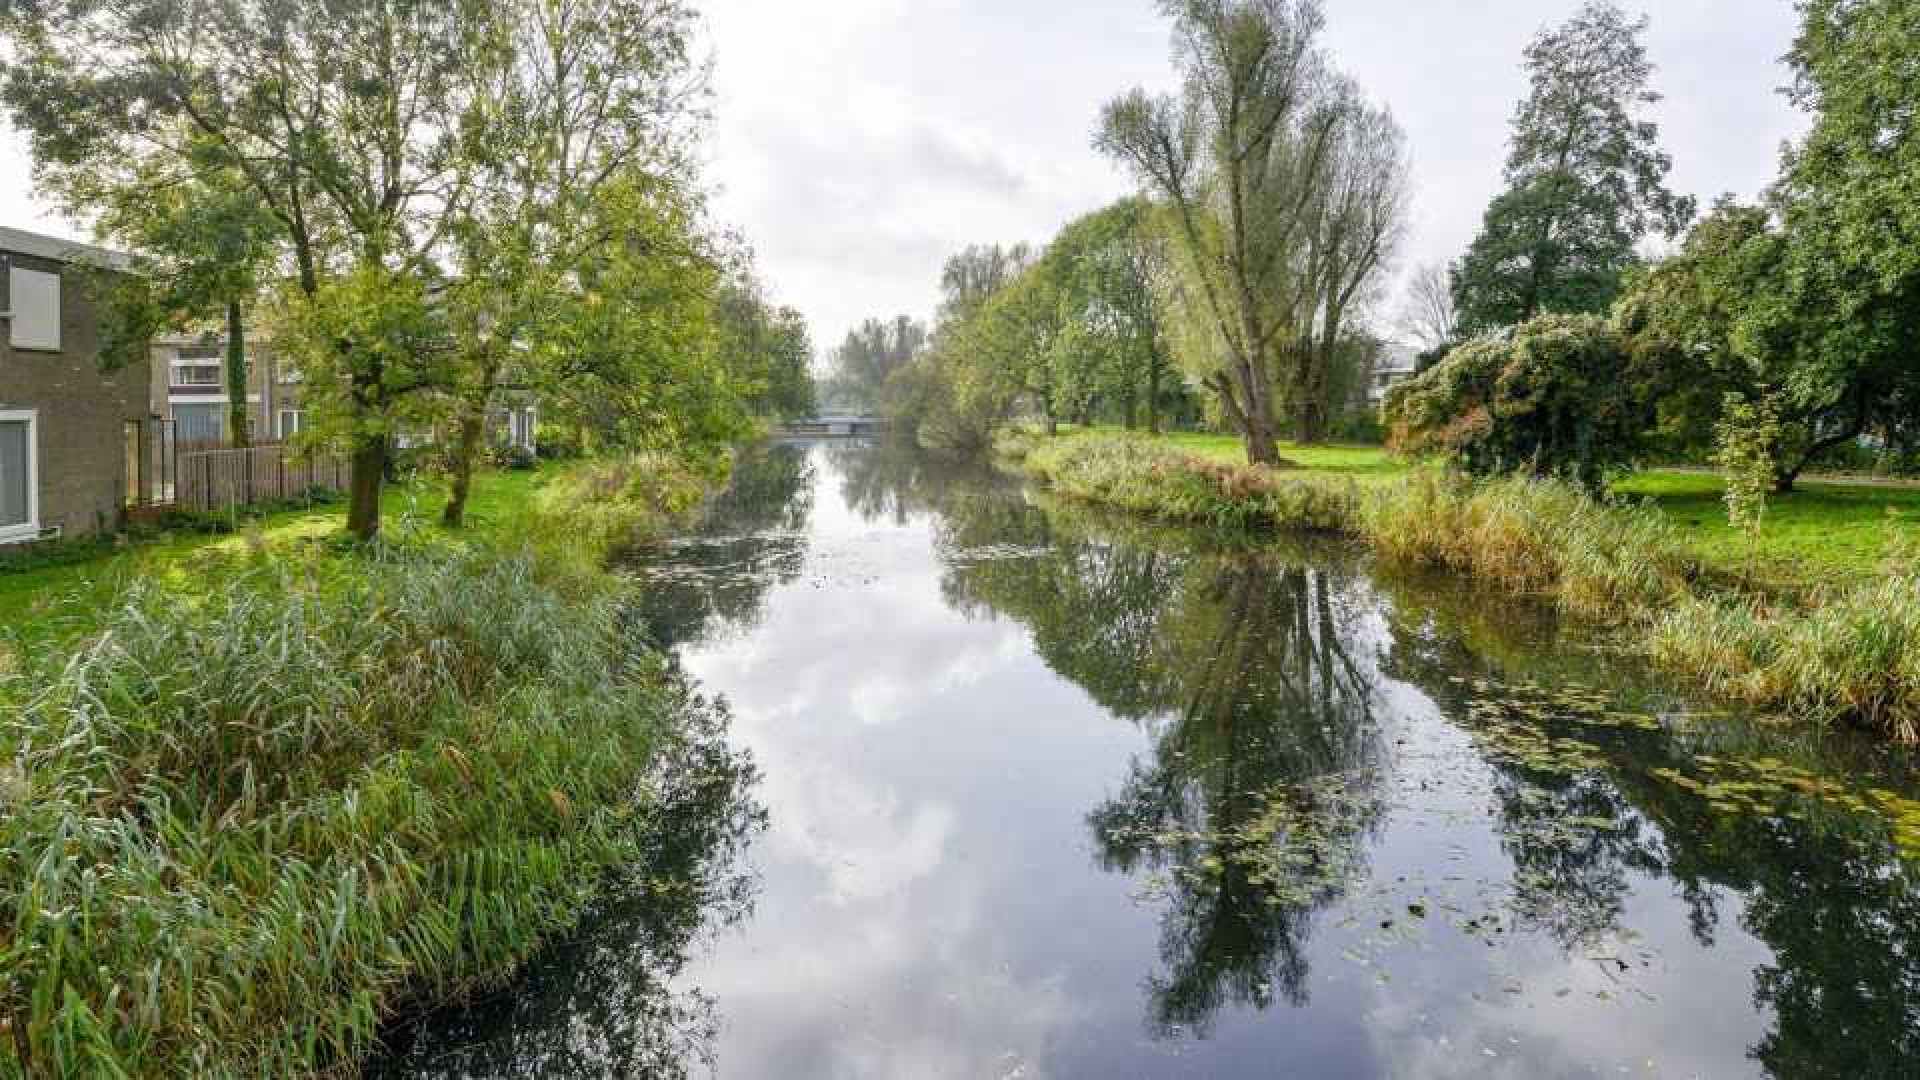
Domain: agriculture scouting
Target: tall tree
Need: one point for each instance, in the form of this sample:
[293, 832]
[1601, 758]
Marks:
[1811, 303]
[1850, 201]
[1111, 265]
[1586, 179]
[601, 94]
[870, 355]
[347, 120]
[1245, 158]
[766, 345]
[1354, 225]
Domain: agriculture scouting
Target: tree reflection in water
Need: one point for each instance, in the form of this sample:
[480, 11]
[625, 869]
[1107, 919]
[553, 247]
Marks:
[603, 1004]
[751, 537]
[1822, 887]
[1254, 675]
[1242, 668]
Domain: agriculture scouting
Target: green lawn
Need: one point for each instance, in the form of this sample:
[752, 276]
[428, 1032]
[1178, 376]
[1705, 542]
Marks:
[53, 604]
[1827, 531]
[1364, 463]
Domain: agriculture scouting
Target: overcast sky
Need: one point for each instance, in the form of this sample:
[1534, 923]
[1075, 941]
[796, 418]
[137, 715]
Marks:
[859, 142]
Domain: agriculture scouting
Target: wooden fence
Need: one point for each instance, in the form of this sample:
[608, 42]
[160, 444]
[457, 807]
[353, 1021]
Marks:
[213, 480]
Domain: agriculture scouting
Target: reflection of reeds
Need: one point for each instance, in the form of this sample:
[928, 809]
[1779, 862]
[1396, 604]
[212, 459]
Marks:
[247, 821]
[1846, 654]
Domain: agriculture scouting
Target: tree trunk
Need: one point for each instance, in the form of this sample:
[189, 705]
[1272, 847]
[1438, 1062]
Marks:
[369, 474]
[1311, 423]
[1153, 397]
[466, 448]
[1263, 448]
[238, 420]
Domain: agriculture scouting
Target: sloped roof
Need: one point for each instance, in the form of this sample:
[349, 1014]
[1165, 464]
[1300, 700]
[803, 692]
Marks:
[22, 242]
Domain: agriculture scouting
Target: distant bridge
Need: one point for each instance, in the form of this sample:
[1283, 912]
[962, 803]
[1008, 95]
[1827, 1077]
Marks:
[836, 426]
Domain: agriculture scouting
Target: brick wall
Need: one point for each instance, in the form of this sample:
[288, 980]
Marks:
[82, 411]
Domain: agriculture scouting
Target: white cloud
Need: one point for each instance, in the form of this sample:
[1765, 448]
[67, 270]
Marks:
[859, 142]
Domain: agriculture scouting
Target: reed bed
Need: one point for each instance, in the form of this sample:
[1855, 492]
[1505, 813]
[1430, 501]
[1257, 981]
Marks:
[246, 823]
[1847, 654]
[617, 503]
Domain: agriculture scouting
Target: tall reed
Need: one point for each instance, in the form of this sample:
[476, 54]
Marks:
[245, 823]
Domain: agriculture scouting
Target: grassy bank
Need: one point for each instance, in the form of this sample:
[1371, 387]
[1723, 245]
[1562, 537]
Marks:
[1830, 531]
[48, 606]
[282, 786]
[1845, 650]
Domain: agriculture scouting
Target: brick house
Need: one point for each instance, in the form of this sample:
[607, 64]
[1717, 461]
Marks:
[63, 421]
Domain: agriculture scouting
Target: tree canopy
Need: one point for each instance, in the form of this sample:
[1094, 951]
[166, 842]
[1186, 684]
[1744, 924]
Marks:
[1586, 179]
[1285, 191]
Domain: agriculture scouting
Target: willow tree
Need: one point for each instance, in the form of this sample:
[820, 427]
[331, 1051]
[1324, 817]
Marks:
[1249, 159]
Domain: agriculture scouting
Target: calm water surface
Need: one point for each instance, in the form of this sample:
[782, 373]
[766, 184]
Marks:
[1040, 793]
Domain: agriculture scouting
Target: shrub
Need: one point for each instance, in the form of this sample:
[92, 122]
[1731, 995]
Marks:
[1557, 398]
[241, 826]
[617, 503]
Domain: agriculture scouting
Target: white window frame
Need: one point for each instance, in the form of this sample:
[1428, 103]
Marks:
[16, 534]
[181, 367]
[18, 322]
[281, 427]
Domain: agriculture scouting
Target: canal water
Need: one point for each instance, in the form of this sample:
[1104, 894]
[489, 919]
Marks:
[1013, 789]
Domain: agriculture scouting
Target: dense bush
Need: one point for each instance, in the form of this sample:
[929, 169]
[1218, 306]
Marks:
[242, 825]
[1556, 398]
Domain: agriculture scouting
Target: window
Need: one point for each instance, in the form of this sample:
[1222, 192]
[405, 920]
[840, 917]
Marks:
[35, 301]
[288, 423]
[19, 477]
[522, 421]
[200, 366]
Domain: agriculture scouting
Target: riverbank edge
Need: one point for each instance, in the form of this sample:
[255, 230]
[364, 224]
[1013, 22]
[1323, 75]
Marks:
[250, 819]
[1840, 654]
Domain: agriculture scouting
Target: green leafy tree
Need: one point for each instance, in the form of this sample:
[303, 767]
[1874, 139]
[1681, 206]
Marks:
[1813, 300]
[1285, 192]
[1586, 179]
[869, 356]
[1851, 211]
[630, 355]
[205, 247]
[767, 345]
[1556, 398]
[347, 120]
[1110, 266]
[1235, 157]
[597, 104]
